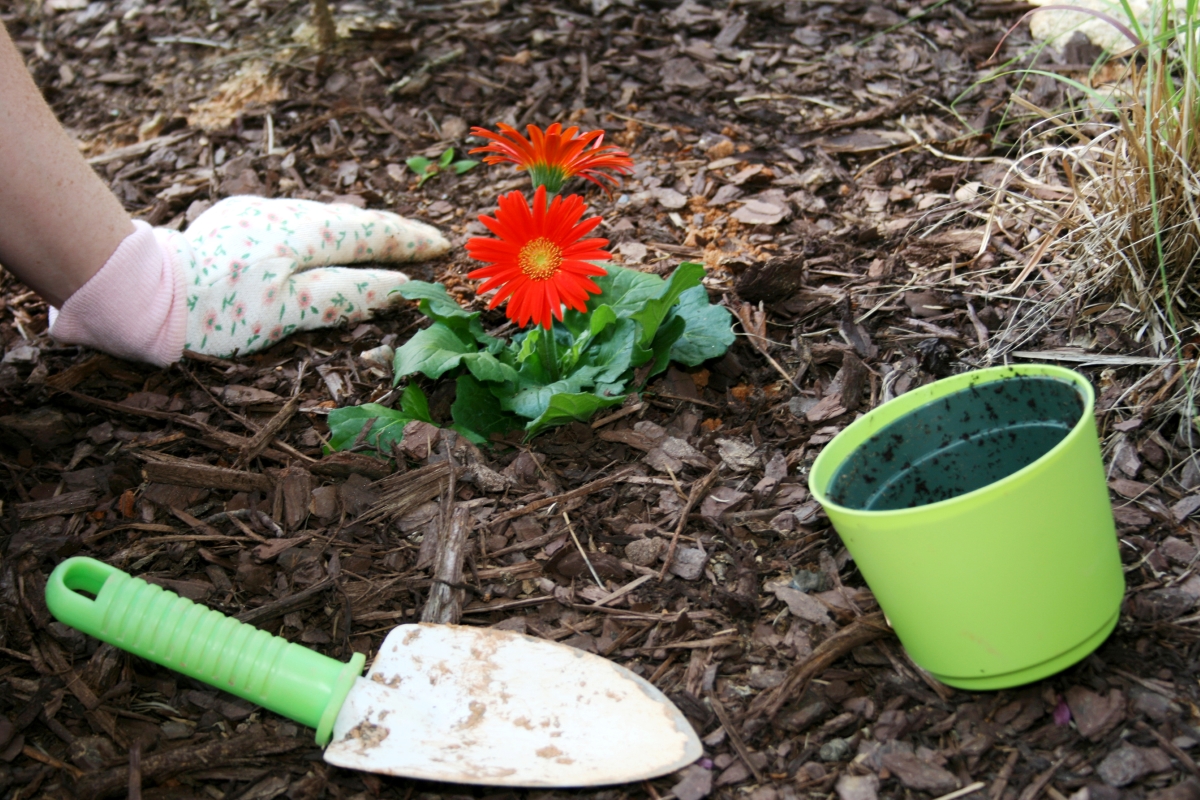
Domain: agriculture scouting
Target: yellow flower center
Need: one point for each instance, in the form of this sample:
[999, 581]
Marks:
[540, 259]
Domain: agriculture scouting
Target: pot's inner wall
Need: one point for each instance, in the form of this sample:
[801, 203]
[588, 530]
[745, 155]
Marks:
[957, 444]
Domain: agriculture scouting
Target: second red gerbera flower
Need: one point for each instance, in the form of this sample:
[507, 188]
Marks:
[554, 156]
[541, 260]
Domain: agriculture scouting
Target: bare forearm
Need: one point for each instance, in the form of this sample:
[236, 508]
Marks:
[59, 223]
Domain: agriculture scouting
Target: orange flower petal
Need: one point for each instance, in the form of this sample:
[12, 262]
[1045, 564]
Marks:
[539, 263]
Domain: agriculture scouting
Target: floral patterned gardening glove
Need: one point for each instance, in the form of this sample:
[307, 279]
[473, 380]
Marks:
[258, 270]
[247, 273]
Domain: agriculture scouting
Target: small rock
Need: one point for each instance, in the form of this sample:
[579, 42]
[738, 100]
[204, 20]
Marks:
[90, 753]
[633, 252]
[761, 678]
[810, 581]
[1094, 715]
[738, 455]
[659, 460]
[726, 194]
[1152, 704]
[871, 753]
[357, 495]
[799, 721]
[720, 500]
[761, 212]
[43, 427]
[678, 448]
[802, 605]
[1160, 605]
[1186, 507]
[689, 563]
[669, 198]
[735, 773]
[836, 749]
[1097, 791]
[915, 773]
[324, 502]
[644, 552]
[486, 478]
[380, 357]
[812, 771]
[857, 787]
[1188, 790]
[682, 73]
[177, 730]
[890, 725]
[420, 439]
[1129, 763]
[1191, 587]
[21, 354]
[696, 783]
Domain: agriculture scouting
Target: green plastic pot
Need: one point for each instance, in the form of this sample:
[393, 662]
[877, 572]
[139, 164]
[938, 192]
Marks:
[977, 511]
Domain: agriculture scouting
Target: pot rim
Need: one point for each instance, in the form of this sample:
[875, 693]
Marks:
[877, 418]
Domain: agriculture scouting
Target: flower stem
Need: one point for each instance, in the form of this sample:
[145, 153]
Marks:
[548, 352]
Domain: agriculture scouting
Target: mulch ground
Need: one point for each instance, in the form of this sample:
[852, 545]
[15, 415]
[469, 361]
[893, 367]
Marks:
[828, 163]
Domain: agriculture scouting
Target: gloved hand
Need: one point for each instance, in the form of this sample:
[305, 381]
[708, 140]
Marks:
[245, 274]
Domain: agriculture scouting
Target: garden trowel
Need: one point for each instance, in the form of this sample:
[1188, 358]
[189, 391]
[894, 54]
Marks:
[440, 702]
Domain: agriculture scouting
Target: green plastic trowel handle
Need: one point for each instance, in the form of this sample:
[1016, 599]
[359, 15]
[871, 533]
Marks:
[204, 644]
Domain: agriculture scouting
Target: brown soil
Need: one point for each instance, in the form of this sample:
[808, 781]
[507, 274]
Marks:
[824, 161]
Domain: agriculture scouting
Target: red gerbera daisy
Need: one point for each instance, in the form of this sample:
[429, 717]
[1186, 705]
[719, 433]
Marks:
[541, 260]
[554, 156]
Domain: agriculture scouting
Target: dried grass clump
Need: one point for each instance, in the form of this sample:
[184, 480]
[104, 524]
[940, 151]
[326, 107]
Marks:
[1137, 190]
[1125, 245]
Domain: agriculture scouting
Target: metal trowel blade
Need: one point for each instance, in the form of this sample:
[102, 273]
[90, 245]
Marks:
[484, 706]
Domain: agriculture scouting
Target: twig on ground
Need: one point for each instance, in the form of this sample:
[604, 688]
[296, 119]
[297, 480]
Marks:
[266, 435]
[1172, 748]
[734, 737]
[1003, 776]
[755, 323]
[444, 605]
[865, 629]
[582, 552]
[699, 488]
[582, 491]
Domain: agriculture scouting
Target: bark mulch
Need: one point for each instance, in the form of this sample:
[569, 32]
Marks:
[829, 163]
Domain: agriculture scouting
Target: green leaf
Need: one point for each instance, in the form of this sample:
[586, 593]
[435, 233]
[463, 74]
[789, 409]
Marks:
[486, 367]
[564, 408]
[626, 290]
[655, 310]
[600, 320]
[460, 167]
[437, 304]
[471, 436]
[345, 424]
[602, 317]
[709, 331]
[668, 334]
[419, 164]
[432, 351]
[477, 410]
[532, 398]
[414, 404]
[528, 345]
[446, 158]
[435, 301]
[613, 350]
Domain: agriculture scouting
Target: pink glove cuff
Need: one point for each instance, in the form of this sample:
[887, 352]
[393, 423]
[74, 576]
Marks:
[134, 307]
